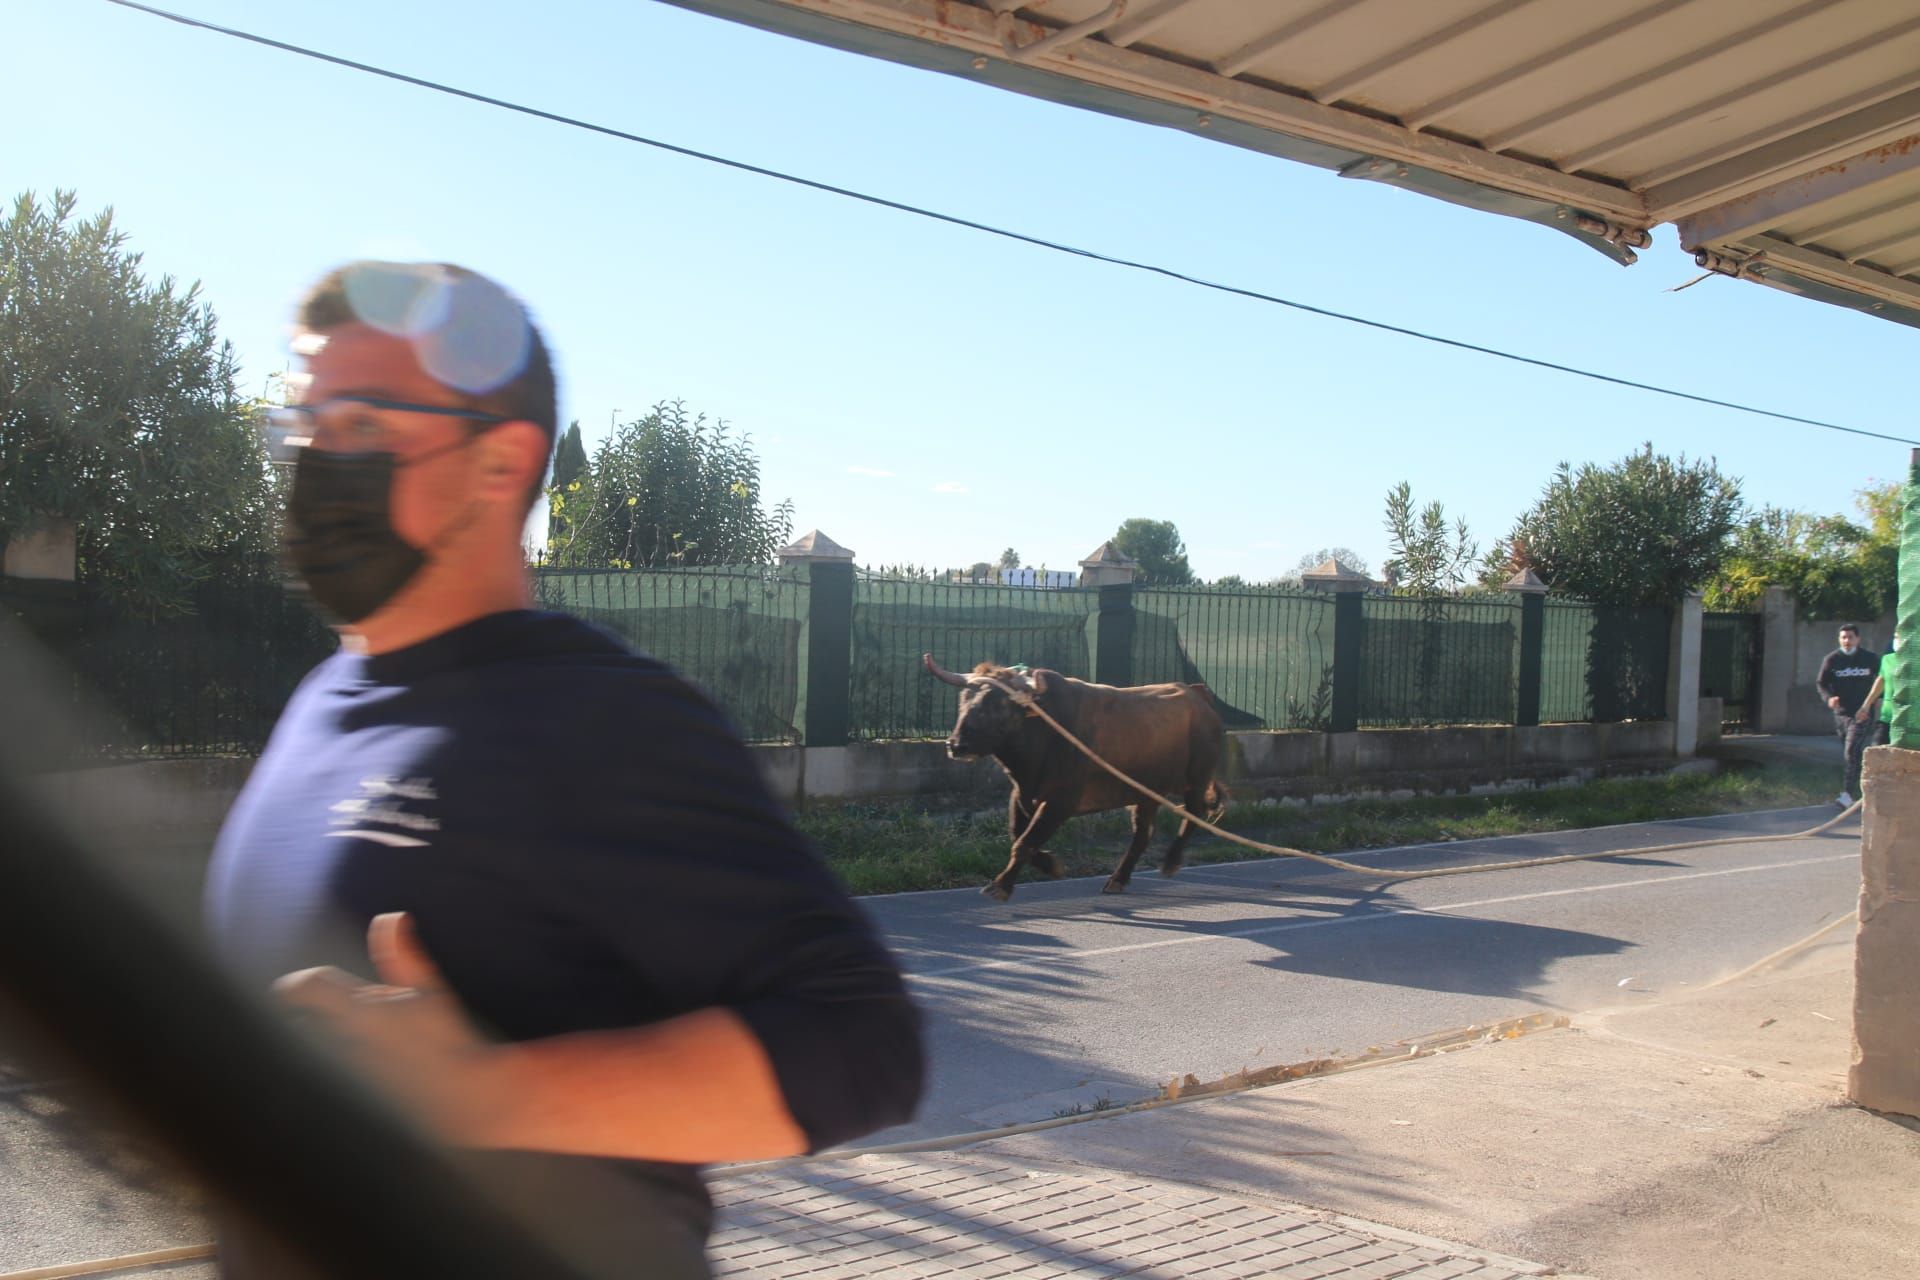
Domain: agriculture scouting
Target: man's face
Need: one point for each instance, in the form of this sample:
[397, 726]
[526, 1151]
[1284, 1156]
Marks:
[429, 495]
[1849, 639]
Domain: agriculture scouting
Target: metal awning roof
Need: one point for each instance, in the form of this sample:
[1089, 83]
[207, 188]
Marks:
[1782, 137]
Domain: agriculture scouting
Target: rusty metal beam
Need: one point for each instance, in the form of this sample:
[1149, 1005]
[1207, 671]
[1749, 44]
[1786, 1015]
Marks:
[1825, 269]
[1048, 40]
[1770, 206]
[1876, 126]
[952, 36]
[1806, 121]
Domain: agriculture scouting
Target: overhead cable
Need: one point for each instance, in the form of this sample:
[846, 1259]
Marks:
[954, 220]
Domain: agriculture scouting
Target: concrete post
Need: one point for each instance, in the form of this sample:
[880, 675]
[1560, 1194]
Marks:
[1683, 674]
[1349, 620]
[1113, 636]
[1885, 1074]
[826, 713]
[1533, 632]
[1778, 615]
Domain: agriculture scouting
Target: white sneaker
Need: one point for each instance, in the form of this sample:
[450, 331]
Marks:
[1844, 800]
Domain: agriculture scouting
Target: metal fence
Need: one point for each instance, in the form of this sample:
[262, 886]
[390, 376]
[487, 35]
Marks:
[735, 632]
[1266, 653]
[1730, 665]
[962, 624]
[1438, 661]
[795, 656]
[1603, 663]
[211, 682]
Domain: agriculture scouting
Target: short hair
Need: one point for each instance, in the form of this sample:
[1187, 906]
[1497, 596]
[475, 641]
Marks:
[417, 301]
[1848, 626]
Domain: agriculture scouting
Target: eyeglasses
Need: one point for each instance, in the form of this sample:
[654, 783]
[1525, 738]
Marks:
[290, 428]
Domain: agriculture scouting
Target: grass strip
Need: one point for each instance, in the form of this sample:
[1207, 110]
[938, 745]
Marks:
[895, 847]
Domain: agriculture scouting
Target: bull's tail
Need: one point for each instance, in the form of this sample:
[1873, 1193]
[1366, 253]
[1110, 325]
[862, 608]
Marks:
[1218, 797]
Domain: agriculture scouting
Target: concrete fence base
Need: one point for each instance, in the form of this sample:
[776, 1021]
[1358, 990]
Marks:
[1295, 765]
[172, 809]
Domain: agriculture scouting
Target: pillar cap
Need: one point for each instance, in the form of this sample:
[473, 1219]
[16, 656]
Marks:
[814, 547]
[1334, 575]
[1525, 582]
[1106, 555]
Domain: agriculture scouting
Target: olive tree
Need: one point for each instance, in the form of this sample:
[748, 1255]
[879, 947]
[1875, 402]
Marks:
[670, 488]
[120, 413]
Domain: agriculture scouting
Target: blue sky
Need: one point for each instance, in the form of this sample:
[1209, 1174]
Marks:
[926, 393]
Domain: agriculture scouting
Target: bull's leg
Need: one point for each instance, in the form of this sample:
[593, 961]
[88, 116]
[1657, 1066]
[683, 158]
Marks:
[1143, 816]
[1019, 818]
[1176, 856]
[1047, 819]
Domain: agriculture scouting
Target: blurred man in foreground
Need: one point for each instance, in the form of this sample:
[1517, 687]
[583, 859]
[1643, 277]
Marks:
[601, 946]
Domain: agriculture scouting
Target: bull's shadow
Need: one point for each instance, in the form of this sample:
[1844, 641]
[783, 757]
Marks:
[1371, 935]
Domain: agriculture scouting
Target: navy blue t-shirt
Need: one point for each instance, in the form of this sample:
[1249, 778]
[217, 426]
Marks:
[584, 843]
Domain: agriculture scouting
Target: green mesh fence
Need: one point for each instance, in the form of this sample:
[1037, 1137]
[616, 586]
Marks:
[961, 624]
[208, 682]
[1266, 654]
[1438, 661]
[1902, 690]
[735, 632]
[1603, 662]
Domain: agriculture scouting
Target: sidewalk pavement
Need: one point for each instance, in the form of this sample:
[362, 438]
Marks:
[1700, 1137]
[1779, 748]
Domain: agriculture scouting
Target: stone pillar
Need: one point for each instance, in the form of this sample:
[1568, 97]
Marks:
[1885, 1074]
[1683, 674]
[827, 656]
[1778, 614]
[1349, 590]
[1532, 591]
[1108, 566]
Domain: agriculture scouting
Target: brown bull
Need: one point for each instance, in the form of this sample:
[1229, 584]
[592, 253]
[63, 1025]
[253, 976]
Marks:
[1168, 736]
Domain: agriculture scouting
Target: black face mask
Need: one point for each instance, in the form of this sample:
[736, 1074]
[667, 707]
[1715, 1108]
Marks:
[339, 535]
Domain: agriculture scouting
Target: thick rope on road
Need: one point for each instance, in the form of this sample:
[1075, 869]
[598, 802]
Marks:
[1023, 698]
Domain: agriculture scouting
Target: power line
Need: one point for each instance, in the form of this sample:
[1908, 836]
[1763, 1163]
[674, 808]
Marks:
[954, 220]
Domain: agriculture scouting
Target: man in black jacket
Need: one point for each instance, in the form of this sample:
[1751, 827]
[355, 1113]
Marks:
[1846, 676]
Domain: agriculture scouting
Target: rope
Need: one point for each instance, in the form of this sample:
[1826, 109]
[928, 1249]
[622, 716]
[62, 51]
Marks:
[106, 1266]
[1023, 698]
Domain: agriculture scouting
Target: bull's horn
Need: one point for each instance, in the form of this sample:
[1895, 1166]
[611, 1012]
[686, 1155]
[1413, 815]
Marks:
[935, 669]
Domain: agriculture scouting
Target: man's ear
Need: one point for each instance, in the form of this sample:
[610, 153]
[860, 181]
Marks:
[513, 459]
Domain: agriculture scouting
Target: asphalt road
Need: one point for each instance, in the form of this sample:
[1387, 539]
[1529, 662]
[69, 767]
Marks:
[1066, 996]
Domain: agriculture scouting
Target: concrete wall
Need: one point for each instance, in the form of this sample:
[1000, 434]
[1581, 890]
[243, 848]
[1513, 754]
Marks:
[1885, 1074]
[1811, 641]
[177, 806]
[1264, 765]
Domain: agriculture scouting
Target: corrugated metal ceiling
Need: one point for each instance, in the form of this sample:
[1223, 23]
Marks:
[1782, 137]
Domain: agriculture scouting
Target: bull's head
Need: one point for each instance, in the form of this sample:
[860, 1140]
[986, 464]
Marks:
[988, 717]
